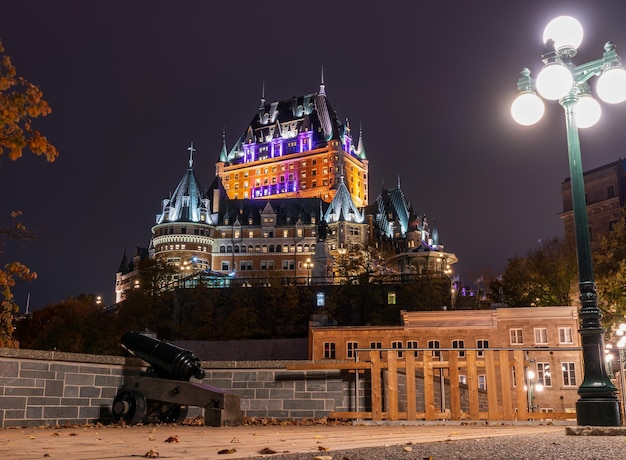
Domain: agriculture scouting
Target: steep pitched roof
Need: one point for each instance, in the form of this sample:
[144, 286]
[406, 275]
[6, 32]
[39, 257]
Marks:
[342, 208]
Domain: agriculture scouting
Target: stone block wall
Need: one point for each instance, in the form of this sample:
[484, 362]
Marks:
[54, 388]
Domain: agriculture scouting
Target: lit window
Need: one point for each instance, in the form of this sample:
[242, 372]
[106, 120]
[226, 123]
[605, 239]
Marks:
[391, 298]
[569, 374]
[541, 336]
[459, 344]
[565, 335]
[481, 344]
[329, 350]
[413, 345]
[396, 345]
[482, 382]
[544, 376]
[434, 344]
[517, 337]
[351, 348]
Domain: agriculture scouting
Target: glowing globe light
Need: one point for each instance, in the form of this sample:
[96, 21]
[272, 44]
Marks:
[611, 86]
[587, 111]
[527, 109]
[554, 81]
[566, 32]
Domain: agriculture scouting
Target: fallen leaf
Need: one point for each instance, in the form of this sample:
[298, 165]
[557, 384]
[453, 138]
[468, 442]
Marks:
[227, 451]
[172, 439]
[31, 437]
[56, 433]
[73, 434]
[322, 448]
[151, 438]
[234, 440]
[407, 449]
[152, 453]
[267, 451]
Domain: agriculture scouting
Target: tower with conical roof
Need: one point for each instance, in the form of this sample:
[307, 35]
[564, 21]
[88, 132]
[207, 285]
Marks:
[181, 234]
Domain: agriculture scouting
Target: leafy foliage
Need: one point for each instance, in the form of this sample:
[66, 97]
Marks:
[610, 274]
[21, 102]
[544, 277]
[9, 274]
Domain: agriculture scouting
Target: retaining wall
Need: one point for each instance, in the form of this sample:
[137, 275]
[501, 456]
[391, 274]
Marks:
[56, 388]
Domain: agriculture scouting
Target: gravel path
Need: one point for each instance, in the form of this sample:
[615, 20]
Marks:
[550, 446]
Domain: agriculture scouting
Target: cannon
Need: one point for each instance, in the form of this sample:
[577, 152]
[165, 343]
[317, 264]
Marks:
[164, 392]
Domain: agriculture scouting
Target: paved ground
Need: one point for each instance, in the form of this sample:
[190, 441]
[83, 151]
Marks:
[206, 443]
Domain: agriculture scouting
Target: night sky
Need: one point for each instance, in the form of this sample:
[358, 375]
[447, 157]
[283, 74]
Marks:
[133, 83]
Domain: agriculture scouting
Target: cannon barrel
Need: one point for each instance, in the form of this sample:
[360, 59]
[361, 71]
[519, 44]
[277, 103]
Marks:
[167, 360]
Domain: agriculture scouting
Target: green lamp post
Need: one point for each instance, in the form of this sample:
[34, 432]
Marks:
[567, 83]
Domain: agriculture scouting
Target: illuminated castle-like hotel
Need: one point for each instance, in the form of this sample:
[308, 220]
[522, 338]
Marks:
[288, 198]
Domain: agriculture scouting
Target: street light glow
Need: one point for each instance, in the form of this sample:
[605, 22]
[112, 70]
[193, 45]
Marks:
[611, 85]
[566, 32]
[527, 109]
[587, 111]
[554, 81]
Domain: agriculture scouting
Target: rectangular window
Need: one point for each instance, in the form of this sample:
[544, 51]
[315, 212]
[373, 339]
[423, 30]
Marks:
[377, 345]
[413, 345]
[482, 382]
[225, 266]
[517, 337]
[285, 265]
[459, 344]
[482, 343]
[544, 376]
[395, 345]
[391, 298]
[541, 336]
[351, 349]
[434, 344]
[565, 335]
[329, 350]
[569, 374]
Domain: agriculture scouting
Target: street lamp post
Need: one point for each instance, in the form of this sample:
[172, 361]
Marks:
[561, 80]
[308, 265]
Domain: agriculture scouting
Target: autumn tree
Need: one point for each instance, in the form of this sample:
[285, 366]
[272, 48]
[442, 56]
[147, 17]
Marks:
[610, 275]
[543, 278]
[20, 103]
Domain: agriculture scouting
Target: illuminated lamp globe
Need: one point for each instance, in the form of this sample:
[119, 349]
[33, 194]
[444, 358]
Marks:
[527, 109]
[566, 32]
[611, 86]
[554, 81]
[587, 111]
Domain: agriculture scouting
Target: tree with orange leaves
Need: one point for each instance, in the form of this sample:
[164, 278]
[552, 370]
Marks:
[20, 102]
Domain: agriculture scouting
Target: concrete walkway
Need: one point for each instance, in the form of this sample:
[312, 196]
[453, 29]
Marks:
[206, 443]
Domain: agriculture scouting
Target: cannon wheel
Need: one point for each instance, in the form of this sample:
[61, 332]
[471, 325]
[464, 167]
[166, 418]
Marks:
[129, 406]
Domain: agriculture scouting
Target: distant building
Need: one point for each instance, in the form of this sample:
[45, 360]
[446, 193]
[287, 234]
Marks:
[555, 375]
[605, 193]
[288, 200]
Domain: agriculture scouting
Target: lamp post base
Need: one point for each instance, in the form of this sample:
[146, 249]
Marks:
[598, 412]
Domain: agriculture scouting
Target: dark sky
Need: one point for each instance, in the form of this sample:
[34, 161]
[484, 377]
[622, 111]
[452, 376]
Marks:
[132, 83]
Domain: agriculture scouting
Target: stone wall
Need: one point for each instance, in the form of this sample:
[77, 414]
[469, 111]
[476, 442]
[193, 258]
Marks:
[55, 388]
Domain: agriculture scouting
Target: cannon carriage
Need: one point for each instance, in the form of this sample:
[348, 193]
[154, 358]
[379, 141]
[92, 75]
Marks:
[164, 392]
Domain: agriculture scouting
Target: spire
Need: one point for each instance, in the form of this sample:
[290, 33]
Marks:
[322, 85]
[223, 150]
[398, 181]
[263, 95]
[191, 150]
[361, 147]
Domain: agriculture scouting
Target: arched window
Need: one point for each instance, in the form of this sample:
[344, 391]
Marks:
[250, 248]
[257, 248]
[236, 248]
[230, 248]
[243, 248]
[292, 248]
[222, 249]
[271, 248]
